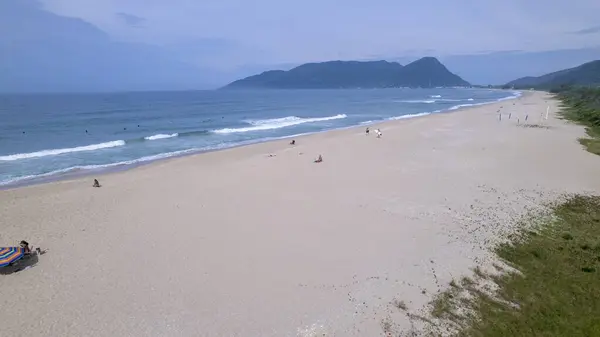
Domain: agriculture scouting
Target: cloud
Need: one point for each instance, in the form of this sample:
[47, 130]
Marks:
[590, 30]
[312, 30]
[130, 19]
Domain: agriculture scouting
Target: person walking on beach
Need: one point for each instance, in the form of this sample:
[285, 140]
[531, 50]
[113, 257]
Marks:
[367, 131]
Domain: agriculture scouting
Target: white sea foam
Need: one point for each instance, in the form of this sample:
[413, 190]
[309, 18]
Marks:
[427, 101]
[456, 107]
[516, 94]
[161, 136]
[435, 96]
[55, 152]
[74, 169]
[453, 100]
[277, 123]
[436, 99]
[126, 163]
[411, 116]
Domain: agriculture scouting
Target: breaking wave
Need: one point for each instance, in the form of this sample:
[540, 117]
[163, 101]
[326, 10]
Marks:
[161, 136]
[55, 152]
[277, 123]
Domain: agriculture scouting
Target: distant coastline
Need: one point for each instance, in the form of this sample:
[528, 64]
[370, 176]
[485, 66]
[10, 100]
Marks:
[78, 172]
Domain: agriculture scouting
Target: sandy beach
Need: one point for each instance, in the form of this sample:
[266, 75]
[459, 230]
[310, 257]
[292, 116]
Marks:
[261, 241]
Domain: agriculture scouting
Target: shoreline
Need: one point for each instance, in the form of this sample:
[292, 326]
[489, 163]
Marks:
[80, 174]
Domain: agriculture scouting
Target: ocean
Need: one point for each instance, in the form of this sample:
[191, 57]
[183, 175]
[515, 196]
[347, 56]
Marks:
[45, 136]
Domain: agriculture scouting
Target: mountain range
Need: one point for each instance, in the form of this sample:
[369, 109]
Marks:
[425, 72]
[584, 75]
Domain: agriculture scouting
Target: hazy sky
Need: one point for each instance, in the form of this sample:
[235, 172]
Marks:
[243, 31]
[96, 45]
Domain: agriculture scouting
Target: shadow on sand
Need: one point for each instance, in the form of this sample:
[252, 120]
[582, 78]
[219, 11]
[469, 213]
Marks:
[25, 263]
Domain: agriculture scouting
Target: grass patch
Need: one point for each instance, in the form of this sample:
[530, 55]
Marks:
[467, 282]
[592, 144]
[582, 105]
[442, 305]
[534, 126]
[556, 292]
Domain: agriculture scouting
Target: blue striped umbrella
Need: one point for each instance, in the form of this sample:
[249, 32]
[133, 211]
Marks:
[9, 255]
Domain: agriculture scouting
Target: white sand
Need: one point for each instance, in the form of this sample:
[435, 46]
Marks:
[236, 243]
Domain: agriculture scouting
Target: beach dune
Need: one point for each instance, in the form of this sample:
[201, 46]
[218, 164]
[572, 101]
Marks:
[240, 243]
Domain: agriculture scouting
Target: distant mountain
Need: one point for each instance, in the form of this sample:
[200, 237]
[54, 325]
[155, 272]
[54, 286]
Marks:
[501, 67]
[425, 72]
[585, 74]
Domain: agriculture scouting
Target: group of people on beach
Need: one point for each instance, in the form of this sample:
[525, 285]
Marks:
[293, 142]
[319, 158]
[377, 131]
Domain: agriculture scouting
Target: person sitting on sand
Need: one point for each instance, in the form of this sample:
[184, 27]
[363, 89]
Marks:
[293, 142]
[27, 250]
[320, 159]
[25, 246]
[96, 183]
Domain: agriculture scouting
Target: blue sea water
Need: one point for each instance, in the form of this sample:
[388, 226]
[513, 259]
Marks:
[46, 135]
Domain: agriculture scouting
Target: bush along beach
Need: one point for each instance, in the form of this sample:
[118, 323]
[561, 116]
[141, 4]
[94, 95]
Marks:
[582, 105]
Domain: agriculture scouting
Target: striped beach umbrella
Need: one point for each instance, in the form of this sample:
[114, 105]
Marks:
[9, 255]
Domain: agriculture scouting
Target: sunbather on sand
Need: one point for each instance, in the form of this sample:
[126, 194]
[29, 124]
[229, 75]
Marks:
[96, 183]
[25, 246]
[27, 249]
[320, 159]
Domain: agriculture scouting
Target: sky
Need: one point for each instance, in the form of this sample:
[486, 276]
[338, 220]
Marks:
[229, 33]
[116, 45]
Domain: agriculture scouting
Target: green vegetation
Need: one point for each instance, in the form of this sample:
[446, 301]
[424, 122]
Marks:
[555, 290]
[582, 105]
[549, 284]
[587, 74]
[426, 72]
